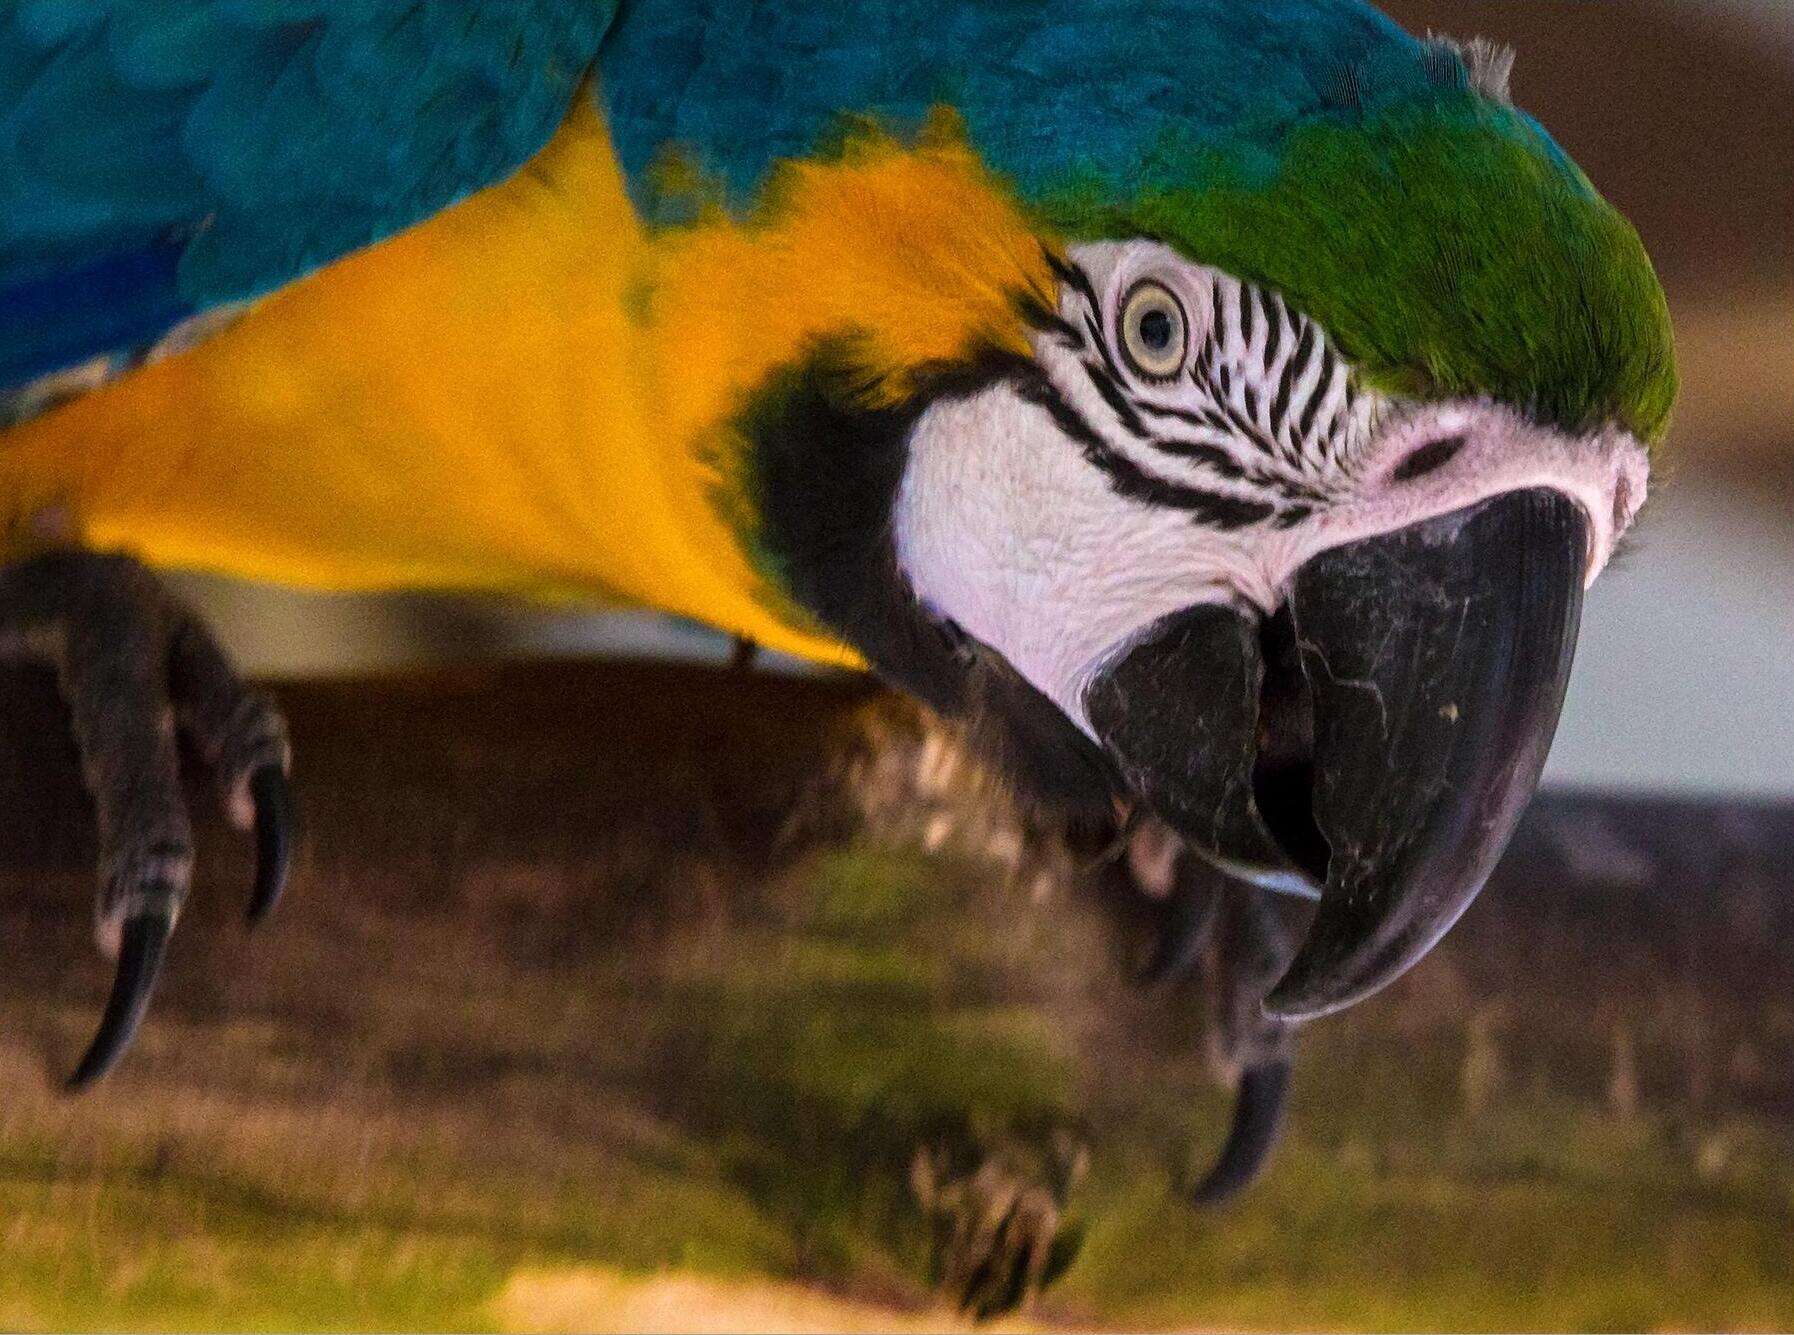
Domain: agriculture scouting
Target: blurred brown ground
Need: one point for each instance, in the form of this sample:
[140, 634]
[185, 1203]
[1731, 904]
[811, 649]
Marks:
[638, 966]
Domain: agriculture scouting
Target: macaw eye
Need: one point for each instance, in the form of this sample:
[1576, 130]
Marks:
[1154, 332]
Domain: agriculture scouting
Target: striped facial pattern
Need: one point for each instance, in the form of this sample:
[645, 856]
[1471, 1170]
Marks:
[1258, 421]
[1181, 437]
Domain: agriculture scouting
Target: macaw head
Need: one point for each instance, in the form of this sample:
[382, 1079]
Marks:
[1263, 492]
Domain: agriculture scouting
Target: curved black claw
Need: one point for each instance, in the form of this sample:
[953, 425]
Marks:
[139, 962]
[1257, 1119]
[273, 838]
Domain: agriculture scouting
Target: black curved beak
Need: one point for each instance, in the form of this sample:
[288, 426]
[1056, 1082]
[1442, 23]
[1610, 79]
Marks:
[1381, 747]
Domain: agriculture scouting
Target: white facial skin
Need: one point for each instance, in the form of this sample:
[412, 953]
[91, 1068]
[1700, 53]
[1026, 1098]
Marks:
[1057, 537]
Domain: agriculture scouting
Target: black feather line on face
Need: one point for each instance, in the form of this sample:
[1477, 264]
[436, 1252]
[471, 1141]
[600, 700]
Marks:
[824, 468]
[1273, 328]
[1110, 389]
[1117, 377]
[1213, 508]
[1128, 478]
[1305, 423]
[1038, 316]
[1072, 274]
[1228, 418]
[1210, 455]
[1281, 426]
[1292, 370]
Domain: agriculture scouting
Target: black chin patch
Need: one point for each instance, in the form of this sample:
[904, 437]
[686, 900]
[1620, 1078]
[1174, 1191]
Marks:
[824, 466]
[1030, 739]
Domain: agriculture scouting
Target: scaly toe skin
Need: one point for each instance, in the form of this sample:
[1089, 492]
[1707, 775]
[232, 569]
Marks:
[136, 670]
[1185, 928]
[1184, 895]
[243, 737]
[1255, 947]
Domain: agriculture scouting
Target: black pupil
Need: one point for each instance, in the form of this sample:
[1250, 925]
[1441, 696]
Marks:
[1155, 330]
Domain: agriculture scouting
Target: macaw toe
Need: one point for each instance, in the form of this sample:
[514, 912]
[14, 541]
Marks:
[1377, 739]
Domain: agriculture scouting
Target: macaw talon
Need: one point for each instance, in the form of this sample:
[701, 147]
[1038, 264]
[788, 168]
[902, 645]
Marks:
[143, 943]
[139, 674]
[1376, 740]
[1258, 1113]
[273, 800]
[1231, 937]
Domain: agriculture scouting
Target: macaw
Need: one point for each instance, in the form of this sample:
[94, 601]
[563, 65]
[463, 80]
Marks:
[1216, 406]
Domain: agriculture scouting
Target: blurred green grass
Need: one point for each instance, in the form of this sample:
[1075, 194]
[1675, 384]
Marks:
[744, 1098]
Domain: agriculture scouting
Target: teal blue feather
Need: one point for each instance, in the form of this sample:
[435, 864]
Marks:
[158, 157]
[1047, 88]
[161, 156]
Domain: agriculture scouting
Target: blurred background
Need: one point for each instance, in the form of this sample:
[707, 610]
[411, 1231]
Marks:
[1682, 112]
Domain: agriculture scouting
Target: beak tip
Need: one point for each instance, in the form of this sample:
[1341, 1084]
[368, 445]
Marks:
[1349, 958]
[1342, 963]
[1464, 627]
[1299, 999]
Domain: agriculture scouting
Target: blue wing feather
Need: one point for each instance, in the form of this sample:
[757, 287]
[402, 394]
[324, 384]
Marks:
[1047, 88]
[160, 157]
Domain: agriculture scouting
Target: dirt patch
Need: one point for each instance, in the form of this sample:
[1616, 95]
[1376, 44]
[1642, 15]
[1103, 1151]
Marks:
[601, 1299]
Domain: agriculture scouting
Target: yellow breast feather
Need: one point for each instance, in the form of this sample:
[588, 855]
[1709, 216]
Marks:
[531, 393]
